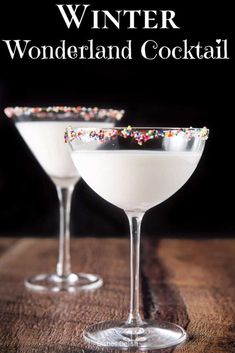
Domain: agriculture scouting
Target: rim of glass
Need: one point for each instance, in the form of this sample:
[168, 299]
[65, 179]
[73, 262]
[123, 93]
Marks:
[139, 134]
[81, 112]
[163, 128]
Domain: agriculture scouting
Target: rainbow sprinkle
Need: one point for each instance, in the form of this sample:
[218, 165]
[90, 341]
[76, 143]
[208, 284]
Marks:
[136, 134]
[83, 113]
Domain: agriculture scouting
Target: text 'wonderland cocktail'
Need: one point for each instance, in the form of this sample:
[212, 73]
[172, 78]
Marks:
[136, 169]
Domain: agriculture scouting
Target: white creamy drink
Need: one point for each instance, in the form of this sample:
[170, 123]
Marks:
[136, 168]
[133, 179]
[45, 139]
[44, 131]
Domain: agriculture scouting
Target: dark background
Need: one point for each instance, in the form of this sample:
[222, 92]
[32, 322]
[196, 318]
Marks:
[157, 93]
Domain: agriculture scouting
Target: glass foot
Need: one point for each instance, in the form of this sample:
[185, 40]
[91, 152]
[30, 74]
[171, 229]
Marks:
[72, 283]
[149, 335]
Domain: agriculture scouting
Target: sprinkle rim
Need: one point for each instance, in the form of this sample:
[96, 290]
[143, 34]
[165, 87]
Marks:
[66, 112]
[137, 134]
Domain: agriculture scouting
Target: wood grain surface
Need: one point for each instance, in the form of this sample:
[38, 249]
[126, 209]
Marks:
[190, 282]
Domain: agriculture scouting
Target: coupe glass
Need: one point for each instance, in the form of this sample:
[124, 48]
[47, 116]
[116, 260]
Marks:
[42, 130]
[136, 169]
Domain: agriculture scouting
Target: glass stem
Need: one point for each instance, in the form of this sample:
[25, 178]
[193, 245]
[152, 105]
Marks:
[135, 219]
[63, 268]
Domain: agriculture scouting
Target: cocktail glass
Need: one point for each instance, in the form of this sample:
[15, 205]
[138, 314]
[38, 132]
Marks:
[42, 130]
[136, 169]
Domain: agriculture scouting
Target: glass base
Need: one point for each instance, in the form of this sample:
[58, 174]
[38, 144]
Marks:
[148, 335]
[72, 283]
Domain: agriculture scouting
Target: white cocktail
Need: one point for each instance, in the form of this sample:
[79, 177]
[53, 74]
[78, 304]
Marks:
[45, 140]
[43, 129]
[135, 179]
[136, 169]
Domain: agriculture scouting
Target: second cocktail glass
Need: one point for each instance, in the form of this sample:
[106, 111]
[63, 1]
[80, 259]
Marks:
[42, 130]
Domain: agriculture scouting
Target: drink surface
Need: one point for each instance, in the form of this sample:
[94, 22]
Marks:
[135, 180]
[45, 139]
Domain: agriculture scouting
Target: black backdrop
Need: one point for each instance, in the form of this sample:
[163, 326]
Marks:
[160, 93]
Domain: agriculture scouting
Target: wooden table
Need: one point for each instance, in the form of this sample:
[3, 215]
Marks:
[190, 282]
